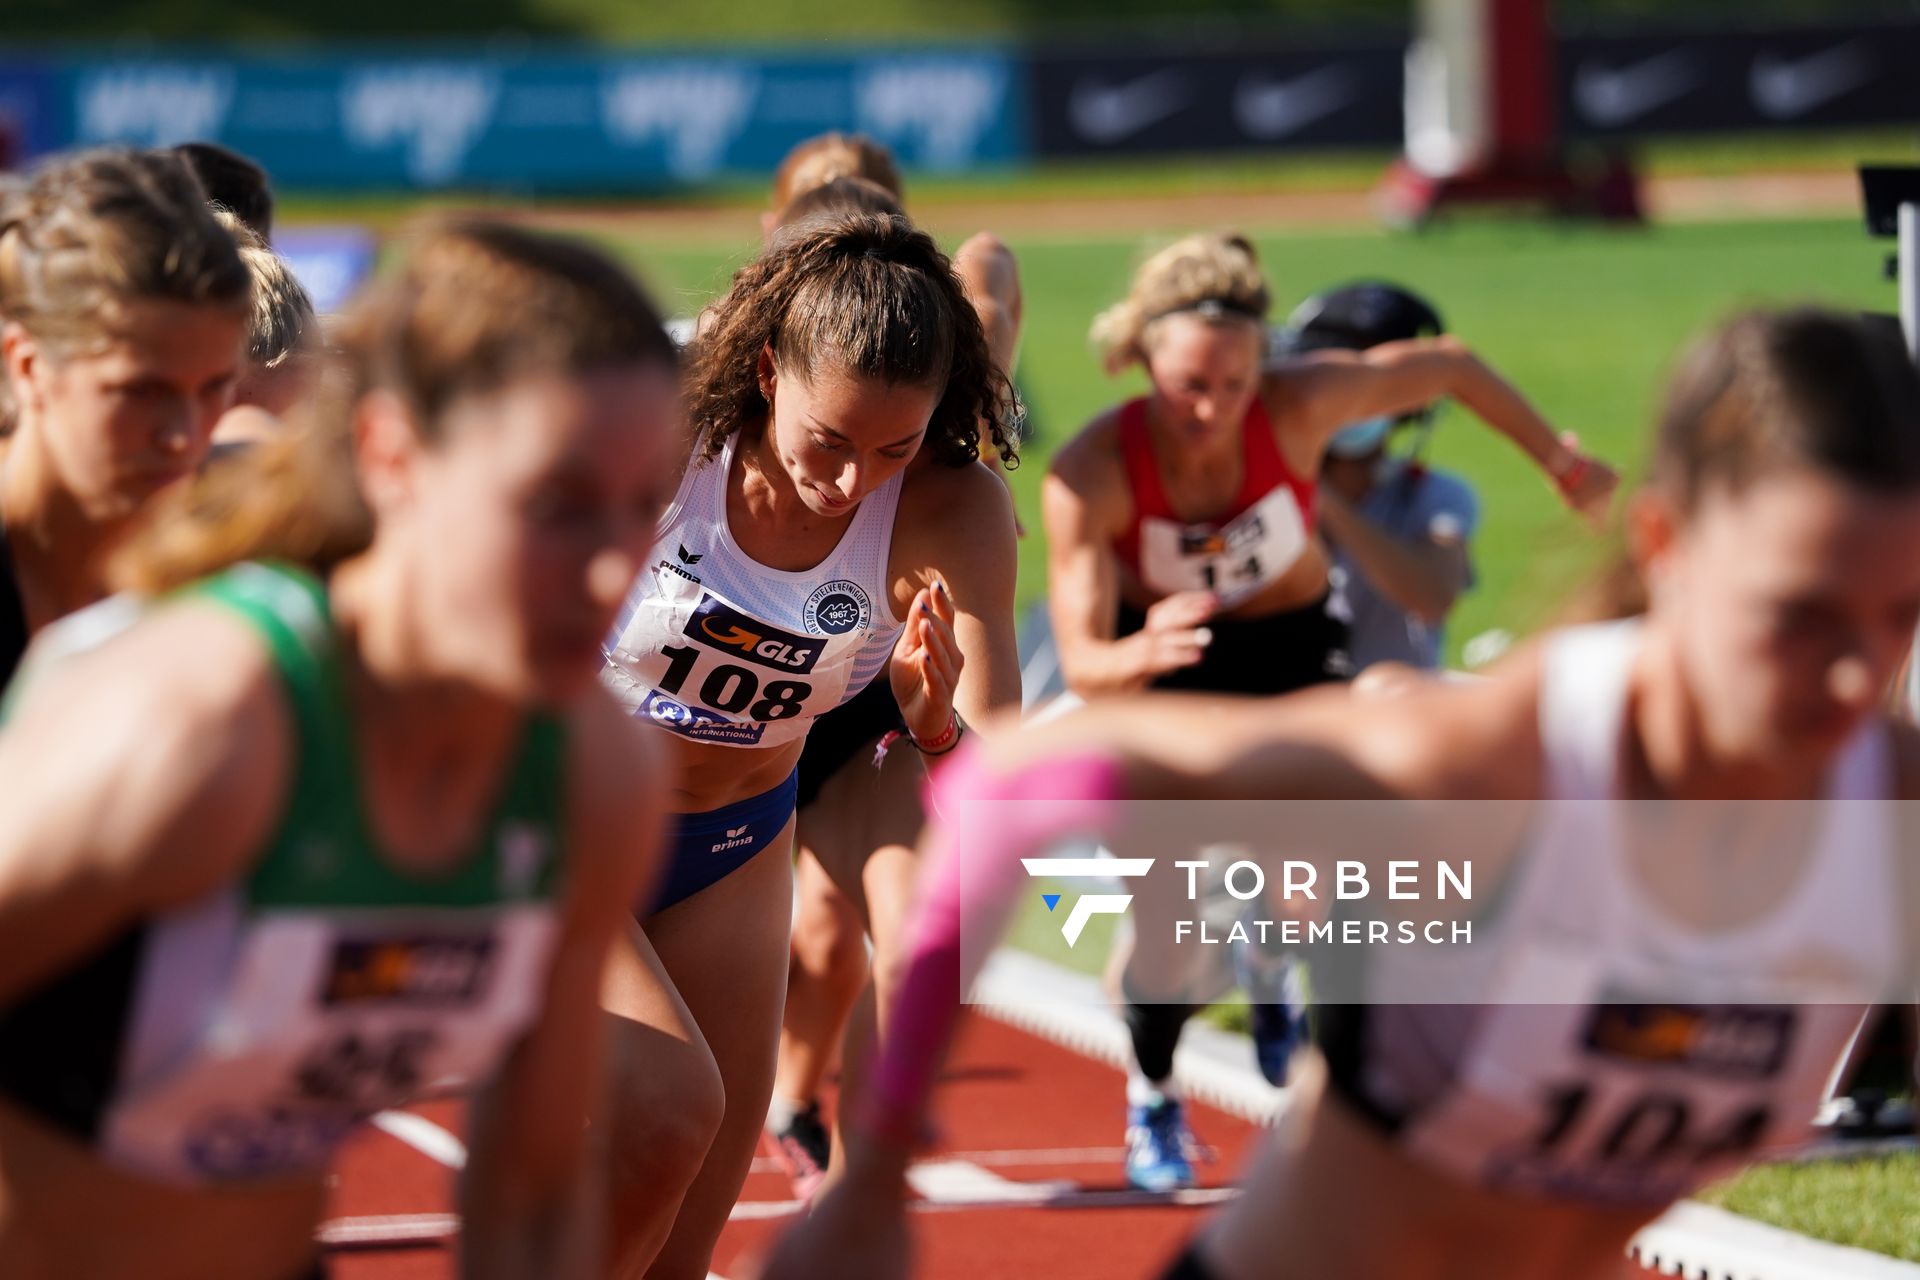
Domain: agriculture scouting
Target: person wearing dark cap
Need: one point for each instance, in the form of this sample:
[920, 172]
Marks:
[1399, 529]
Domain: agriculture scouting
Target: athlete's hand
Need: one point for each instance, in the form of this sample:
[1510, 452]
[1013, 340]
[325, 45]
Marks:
[1588, 485]
[1174, 637]
[856, 1230]
[926, 663]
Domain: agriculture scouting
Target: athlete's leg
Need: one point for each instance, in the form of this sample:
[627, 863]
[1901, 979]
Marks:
[865, 826]
[666, 1104]
[827, 968]
[725, 948]
[871, 850]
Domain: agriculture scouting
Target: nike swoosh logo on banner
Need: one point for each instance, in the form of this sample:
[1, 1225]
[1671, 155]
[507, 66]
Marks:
[1785, 89]
[1611, 96]
[1109, 113]
[1276, 108]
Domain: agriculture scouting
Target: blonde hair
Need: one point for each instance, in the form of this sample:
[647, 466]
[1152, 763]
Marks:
[478, 307]
[821, 159]
[282, 312]
[1215, 275]
[90, 232]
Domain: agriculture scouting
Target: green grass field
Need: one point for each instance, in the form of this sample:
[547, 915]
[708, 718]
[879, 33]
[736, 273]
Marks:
[1867, 1203]
[1585, 320]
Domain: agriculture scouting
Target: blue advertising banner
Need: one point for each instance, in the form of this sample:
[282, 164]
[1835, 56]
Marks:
[580, 121]
[28, 124]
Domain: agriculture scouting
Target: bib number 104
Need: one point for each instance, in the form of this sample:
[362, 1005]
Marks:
[1653, 1126]
[734, 689]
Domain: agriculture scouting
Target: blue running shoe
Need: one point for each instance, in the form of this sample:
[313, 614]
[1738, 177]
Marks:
[1157, 1145]
[1277, 1006]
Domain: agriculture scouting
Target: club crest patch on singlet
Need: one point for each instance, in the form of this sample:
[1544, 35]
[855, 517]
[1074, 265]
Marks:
[838, 607]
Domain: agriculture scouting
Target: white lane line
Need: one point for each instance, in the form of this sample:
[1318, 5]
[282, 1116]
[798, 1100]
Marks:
[954, 1182]
[424, 1136]
[1696, 1239]
[960, 1192]
[389, 1230]
[1006, 1159]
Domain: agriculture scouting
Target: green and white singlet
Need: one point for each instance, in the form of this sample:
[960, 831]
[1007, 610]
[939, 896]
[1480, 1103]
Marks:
[243, 1035]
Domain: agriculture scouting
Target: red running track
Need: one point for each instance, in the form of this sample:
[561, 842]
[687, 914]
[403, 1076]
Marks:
[1028, 1182]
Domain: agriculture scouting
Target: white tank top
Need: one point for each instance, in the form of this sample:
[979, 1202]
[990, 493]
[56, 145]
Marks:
[718, 647]
[1621, 1055]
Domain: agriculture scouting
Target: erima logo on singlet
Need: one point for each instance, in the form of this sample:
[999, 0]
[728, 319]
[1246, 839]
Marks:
[719, 625]
[417, 970]
[668, 566]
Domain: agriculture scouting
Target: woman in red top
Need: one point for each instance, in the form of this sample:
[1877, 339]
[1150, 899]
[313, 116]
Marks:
[1181, 543]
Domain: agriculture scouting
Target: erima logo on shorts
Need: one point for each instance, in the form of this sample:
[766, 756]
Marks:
[737, 837]
[718, 624]
[1092, 904]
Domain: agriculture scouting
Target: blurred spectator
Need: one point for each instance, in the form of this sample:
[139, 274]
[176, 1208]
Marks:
[1399, 529]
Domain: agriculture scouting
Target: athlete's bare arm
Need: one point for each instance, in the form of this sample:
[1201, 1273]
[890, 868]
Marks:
[134, 778]
[533, 1194]
[1441, 740]
[991, 277]
[956, 524]
[1085, 504]
[1318, 394]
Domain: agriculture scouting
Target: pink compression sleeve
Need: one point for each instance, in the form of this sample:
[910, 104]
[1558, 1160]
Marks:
[984, 823]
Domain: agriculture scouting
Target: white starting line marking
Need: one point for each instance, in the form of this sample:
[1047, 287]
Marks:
[1010, 1159]
[392, 1230]
[947, 1186]
[424, 1136]
[949, 1182]
[1698, 1240]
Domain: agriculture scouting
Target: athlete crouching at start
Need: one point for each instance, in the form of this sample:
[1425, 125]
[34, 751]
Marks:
[798, 548]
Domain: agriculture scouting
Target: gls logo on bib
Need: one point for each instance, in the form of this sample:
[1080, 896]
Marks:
[717, 624]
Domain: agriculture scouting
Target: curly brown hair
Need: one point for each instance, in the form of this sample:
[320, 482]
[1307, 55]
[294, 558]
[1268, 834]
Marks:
[864, 294]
